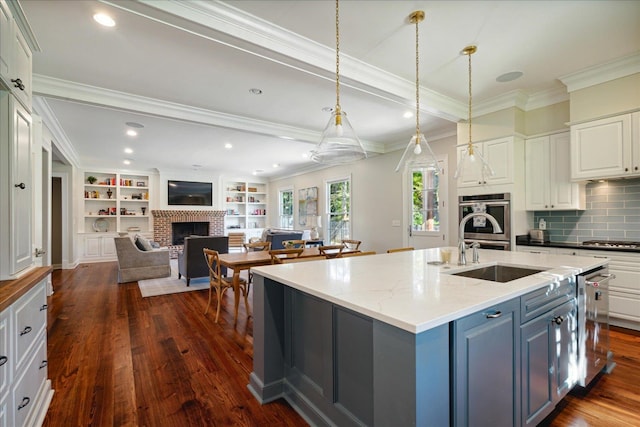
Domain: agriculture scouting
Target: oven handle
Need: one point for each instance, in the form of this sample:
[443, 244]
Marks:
[597, 283]
[502, 243]
[484, 202]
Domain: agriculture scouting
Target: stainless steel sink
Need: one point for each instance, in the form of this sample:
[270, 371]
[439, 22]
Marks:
[498, 273]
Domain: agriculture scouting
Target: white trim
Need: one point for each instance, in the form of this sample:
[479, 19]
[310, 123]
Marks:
[602, 73]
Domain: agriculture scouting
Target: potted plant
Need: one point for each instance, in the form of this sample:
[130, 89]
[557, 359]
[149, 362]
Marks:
[91, 179]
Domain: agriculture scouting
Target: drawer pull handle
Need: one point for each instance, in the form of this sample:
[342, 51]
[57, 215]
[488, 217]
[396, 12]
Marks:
[25, 331]
[25, 402]
[43, 364]
[494, 315]
[3, 360]
[558, 320]
[44, 307]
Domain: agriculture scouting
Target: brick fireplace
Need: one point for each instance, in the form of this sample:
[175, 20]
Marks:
[163, 220]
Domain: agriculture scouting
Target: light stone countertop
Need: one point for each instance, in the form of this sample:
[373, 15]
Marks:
[403, 290]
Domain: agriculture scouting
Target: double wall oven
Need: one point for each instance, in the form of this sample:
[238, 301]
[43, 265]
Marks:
[480, 230]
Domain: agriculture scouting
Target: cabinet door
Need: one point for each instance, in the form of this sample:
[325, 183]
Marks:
[537, 167]
[6, 36]
[20, 187]
[599, 148]
[537, 367]
[499, 154]
[486, 371]
[563, 194]
[20, 68]
[635, 141]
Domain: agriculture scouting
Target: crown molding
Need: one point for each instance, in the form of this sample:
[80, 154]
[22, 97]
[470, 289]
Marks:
[62, 142]
[547, 97]
[602, 73]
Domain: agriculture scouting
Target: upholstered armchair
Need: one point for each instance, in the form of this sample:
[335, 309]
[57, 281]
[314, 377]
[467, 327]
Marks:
[135, 264]
[191, 261]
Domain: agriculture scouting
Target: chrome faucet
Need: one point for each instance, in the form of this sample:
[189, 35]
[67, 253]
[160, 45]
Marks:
[462, 247]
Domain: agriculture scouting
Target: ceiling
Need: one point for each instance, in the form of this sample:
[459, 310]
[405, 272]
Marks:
[184, 71]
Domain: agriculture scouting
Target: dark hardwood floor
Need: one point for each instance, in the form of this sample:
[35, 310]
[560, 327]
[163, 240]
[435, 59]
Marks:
[117, 359]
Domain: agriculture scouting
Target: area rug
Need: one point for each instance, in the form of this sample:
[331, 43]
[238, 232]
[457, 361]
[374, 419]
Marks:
[171, 284]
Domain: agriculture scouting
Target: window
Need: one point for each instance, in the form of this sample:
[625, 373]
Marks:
[339, 210]
[285, 201]
[425, 192]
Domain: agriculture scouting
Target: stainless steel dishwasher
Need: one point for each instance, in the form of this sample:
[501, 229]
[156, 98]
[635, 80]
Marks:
[593, 324]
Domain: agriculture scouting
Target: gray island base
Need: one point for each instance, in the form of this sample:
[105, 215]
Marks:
[338, 367]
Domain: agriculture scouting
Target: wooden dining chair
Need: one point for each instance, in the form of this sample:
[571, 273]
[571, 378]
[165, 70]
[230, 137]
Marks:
[293, 244]
[331, 251]
[350, 254]
[389, 251]
[281, 256]
[220, 283]
[351, 244]
[256, 246]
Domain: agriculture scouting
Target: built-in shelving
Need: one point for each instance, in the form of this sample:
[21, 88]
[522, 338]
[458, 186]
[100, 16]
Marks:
[120, 200]
[246, 207]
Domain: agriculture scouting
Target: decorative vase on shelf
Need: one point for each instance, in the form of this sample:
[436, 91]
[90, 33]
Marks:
[109, 193]
[144, 210]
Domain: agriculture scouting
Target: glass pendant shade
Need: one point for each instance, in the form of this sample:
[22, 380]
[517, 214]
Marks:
[418, 154]
[339, 143]
[472, 163]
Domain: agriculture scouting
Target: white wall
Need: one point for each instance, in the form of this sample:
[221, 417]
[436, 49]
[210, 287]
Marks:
[376, 196]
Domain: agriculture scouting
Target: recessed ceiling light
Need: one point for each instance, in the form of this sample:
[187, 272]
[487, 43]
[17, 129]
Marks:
[305, 155]
[128, 150]
[407, 114]
[104, 19]
[509, 77]
[134, 125]
[288, 138]
[228, 146]
[255, 91]
[126, 161]
[276, 165]
[131, 132]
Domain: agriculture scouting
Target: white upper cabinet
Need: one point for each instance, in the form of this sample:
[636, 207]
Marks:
[15, 57]
[548, 182]
[606, 148]
[499, 153]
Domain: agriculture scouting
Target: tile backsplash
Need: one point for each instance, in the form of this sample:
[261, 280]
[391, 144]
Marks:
[612, 213]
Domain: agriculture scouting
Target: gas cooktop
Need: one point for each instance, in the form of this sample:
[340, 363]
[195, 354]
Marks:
[612, 244]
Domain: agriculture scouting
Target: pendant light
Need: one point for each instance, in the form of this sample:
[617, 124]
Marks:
[418, 153]
[469, 157]
[339, 143]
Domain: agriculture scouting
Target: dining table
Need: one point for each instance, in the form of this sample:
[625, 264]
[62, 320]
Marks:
[238, 261]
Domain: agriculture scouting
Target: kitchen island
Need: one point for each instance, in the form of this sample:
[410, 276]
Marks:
[373, 340]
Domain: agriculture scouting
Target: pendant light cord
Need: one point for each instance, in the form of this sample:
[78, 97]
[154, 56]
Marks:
[417, 83]
[469, 55]
[337, 58]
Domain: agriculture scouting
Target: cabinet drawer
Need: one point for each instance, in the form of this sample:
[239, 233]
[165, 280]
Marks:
[541, 300]
[30, 317]
[30, 380]
[5, 357]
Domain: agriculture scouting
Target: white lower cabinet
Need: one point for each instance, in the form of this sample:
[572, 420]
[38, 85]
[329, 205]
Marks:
[98, 247]
[25, 391]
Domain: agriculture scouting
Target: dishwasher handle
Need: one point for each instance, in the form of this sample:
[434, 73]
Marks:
[601, 280]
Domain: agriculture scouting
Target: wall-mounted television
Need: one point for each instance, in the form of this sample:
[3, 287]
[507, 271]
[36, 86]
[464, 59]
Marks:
[189, 193]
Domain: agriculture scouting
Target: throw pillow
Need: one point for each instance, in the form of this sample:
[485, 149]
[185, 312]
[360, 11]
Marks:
[143, 244]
